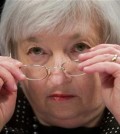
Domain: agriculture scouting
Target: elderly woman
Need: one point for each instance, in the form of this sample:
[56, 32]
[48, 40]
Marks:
[60, 67]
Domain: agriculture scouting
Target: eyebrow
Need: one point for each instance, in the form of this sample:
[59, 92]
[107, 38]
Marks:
[75, 36]
[37, 40]
[33, 39]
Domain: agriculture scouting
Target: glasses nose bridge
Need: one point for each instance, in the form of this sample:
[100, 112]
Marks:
[59, 67]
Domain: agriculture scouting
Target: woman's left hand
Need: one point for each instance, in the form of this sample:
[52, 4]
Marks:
[105, 59]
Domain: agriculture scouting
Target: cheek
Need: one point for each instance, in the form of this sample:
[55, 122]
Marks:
[36, 94]
[89, 86]
[34, 90]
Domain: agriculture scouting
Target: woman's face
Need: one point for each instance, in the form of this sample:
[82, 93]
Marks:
[59, 99]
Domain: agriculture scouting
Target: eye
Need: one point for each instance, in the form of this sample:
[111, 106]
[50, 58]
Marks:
[37, 55]
[36, 51]
[77, 49]
[81, 47]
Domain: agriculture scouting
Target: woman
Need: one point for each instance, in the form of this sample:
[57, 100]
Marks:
[62, 54]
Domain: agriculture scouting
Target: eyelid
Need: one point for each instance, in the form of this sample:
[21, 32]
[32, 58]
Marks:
[86, 43]
[32, 48]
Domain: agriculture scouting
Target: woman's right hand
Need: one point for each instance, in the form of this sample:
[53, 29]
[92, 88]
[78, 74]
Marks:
[10, 74]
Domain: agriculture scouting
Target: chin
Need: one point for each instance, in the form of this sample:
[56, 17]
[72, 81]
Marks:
[64, 119]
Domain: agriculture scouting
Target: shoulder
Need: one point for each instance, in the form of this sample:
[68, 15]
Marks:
[109, 125]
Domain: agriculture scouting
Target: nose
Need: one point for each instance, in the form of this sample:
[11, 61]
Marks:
[58, 77]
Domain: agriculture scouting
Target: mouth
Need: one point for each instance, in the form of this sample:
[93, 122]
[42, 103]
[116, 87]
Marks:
[61, 97]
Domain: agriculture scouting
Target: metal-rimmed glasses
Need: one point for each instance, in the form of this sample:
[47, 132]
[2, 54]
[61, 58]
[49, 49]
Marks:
[40, 72]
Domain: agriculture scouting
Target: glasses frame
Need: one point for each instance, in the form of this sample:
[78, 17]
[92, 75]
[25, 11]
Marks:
[48, 70]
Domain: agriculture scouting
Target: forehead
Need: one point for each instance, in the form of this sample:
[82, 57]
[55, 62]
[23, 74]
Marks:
[90, 28]
[77, 32]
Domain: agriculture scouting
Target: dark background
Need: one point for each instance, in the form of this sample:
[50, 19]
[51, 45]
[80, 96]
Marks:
[1, 4]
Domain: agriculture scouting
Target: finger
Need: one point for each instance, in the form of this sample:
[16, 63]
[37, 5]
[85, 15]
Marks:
[107, 50]
[8, 79]
[1, 83]
[116, 46]
[97, 59]
[108, 67]
[13, 69]
[9, 59]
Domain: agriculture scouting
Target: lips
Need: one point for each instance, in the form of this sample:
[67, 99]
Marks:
[61, 97]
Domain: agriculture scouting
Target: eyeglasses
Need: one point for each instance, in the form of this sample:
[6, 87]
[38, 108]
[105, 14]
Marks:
[39, 72]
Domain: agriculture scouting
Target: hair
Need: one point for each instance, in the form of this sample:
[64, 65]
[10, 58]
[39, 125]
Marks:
[21, 19]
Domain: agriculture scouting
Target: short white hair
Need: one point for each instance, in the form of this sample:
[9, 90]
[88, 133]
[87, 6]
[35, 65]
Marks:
[23, 18]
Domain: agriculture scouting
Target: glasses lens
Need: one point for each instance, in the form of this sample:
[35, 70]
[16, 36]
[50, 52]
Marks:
[72, 69]
[34, 72]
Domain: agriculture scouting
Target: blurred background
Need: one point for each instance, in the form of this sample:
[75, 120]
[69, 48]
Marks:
[1, 4]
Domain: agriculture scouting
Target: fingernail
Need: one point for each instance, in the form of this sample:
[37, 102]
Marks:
[81, 55]
[22, 76]
[92, 48]
[15, 87]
